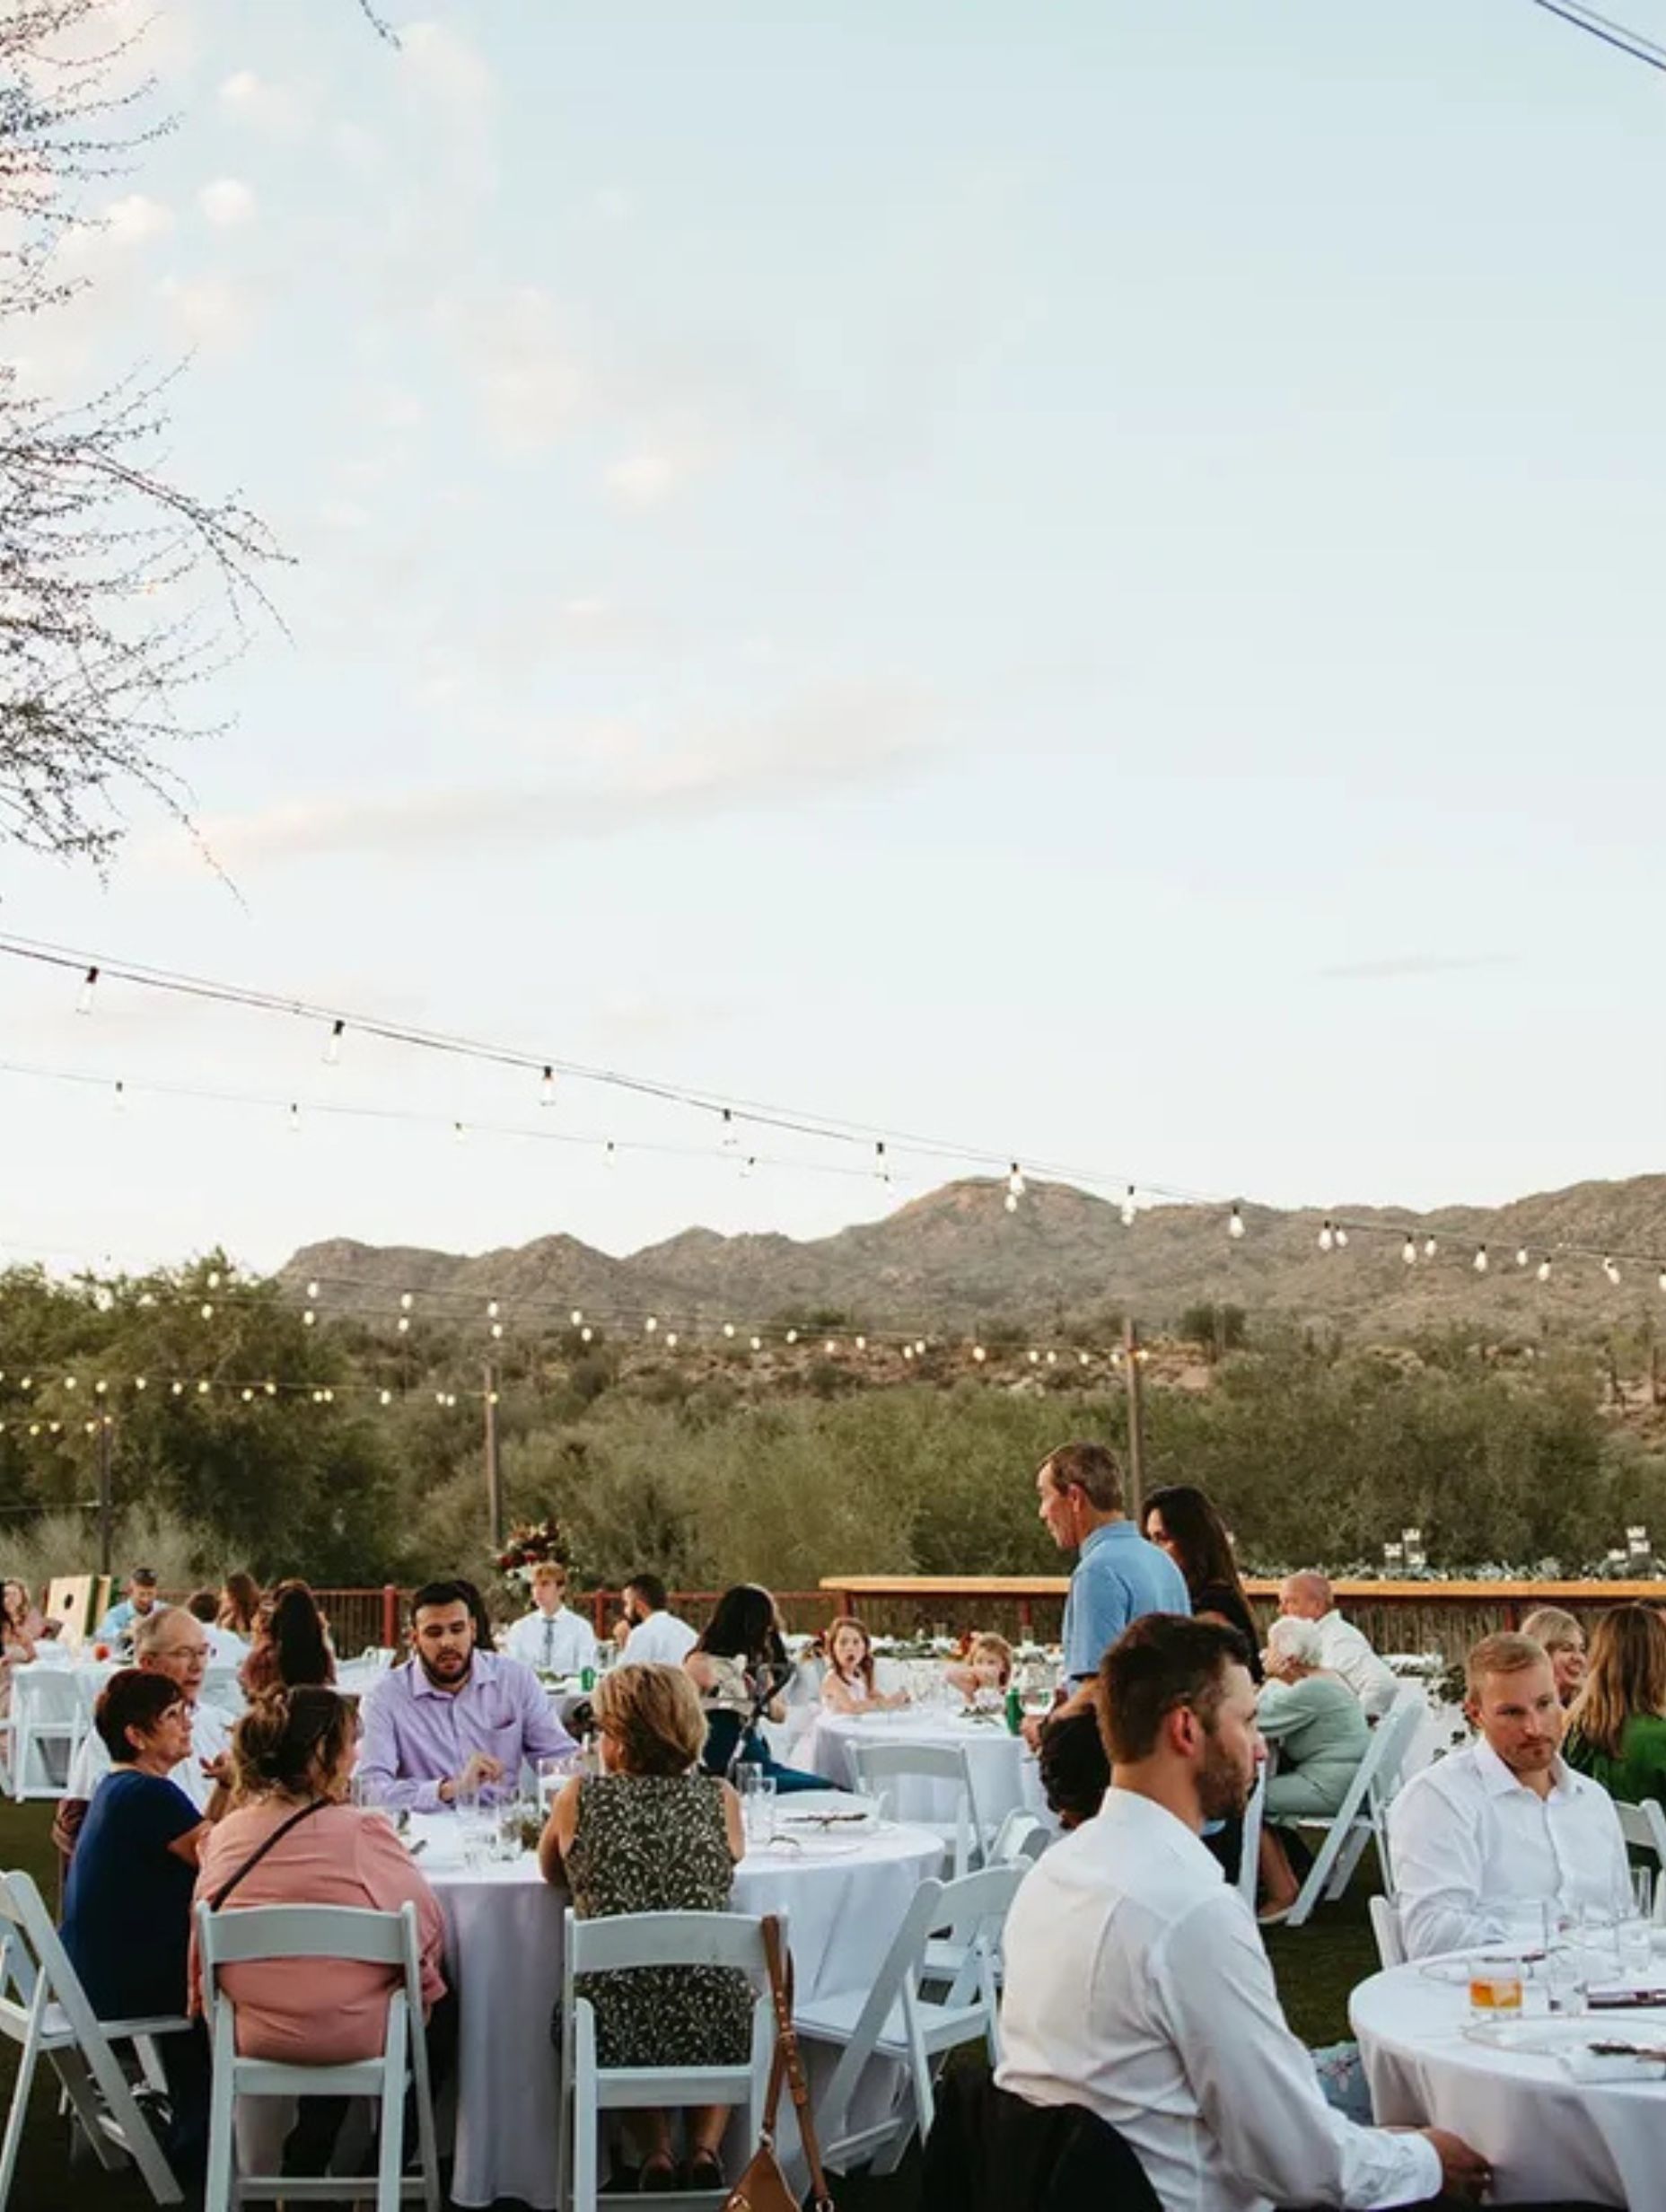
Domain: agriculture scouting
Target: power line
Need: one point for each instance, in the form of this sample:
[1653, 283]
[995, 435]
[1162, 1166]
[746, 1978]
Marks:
[1619, 36]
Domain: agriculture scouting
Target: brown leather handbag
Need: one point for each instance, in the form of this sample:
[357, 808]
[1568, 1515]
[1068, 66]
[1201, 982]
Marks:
[763, 2186]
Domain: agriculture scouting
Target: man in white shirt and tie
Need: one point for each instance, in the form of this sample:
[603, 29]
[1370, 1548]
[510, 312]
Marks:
[653, 1637]
[550, 1637]
[1135, 1980]
[1343, 1649]
[1505, 1823]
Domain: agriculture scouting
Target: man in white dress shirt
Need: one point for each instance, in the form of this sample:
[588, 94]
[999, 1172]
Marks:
[170, 1642]
[1344, 1650]
[656, 1636]
[550, 1637]
[1136, 1981]
[1506, 1821]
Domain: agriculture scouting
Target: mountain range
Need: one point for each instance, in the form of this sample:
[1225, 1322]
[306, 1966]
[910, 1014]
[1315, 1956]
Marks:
[957, 1259]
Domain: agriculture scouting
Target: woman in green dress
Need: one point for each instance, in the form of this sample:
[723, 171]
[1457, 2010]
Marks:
[1616, 1727]
[1319, 1728]
[650, 1833]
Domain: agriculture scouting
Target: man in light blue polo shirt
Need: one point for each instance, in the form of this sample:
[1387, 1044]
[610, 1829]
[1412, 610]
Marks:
[1119, 1575]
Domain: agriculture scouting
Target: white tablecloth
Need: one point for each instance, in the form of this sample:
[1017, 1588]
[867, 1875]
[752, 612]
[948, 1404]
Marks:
[503, 1931]
[1548, 2137]
[1004, 1768]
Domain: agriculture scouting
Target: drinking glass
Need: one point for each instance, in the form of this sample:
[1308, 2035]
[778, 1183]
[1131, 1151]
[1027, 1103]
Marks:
[553, 1775]
[1565, 1978]
[758, 1810]
[747, 1774]
[366, 1792]
[1635, 1950]
[1496, 1986]
[1642, 1892]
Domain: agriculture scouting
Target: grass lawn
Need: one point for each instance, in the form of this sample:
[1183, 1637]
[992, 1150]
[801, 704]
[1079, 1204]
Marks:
[1317, 1967]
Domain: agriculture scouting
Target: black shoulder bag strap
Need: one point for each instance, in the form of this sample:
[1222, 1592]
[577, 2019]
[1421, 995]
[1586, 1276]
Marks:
[255, 1857]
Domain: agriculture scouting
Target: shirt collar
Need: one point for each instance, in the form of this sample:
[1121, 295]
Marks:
[480, 1668]
[1128, 1814]
[1105, 1530]
[1498, 1781]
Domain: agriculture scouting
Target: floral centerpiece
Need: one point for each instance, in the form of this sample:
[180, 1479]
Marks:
[531, 1543]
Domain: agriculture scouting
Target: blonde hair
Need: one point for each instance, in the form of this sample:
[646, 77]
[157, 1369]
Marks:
[987, 1644]
[1506, 1653]
[1554, 1629]
[653, 1717]
[1628, 1676]
[289, 1738]
[1292, 1637]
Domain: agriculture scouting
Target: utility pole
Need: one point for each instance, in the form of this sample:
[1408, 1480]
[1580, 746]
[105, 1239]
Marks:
[106, 1500]
[1136, 1422]
[494, 1469]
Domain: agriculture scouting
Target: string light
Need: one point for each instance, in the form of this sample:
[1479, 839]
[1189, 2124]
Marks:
[1342, 1238]
[881, 1165]
[729, 1140]
[294, 1119]
[1127, 1207]
[1014, 1187]
[332, 1049]
[1480, 1263]
[89, 985]
[407, 1301]
[1235, 1222]
[1520, 1257]
[791, 1336]
[1543, 1270]
[1409, 1251]
[670, 1338]
[547, 1088]
[610, 1153]
[458, 1134]
[747, 1166]
[1610, 1270]
[120, 1100]
[1327, 1238]
[1430, 1248]
[651, 1324]
[491, 1309]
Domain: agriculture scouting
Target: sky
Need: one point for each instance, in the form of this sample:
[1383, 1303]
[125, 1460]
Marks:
[1082, 582]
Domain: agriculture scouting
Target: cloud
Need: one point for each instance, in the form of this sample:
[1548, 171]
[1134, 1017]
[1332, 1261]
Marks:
[214, 315]
[226, 202]
[526, 369]
[274, 111]
[644, 478]
[136, 220]
[839, 738]
[1409, 964]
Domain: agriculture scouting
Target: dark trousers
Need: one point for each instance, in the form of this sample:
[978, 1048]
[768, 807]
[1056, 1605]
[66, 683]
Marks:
[311, 2143]
[726, 1741]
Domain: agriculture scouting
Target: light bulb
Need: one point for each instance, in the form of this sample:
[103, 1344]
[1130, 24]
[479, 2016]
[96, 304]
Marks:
[1082, 1359]
[651, 1324]
[861, 1343]
[178, 1389]
[728, 1329]
[202, 1390]
[99, 1388]
[332, 1049]
[206, 1312]
[1015, 1183]
[1480, 1263]
[309, 1319]
[1327, 1238]
[271, 1389]
[830, 1346]
[1011, 1203]
[247, 1397]
[758, 1344]
[671, 1340]
[881, 1165]
[1035, 1360]
[610, 1154]
[386, 1397]
[1520, 1256]
[1409, 1251]
[1342, 1239]
[84, 1003]
[1430, 1248]
[747, 1166]
[978, 1354]
[404, 1324]
[587, 1335]
[405, 1301]
[577, 1317]
[547, 1089]
[730, 1139]
[458, 1134]
[1610, 1270]
[294, 1119]
[791, 1336]
[139, 1382]
[1127, 1207]
[1234, 1224]
[491, 1309]
[1052, 1359]
[1544, 1270]
[1663, 1279]
[497, 1329]
[69, 1382]
[121, 1097]
[311, 1294]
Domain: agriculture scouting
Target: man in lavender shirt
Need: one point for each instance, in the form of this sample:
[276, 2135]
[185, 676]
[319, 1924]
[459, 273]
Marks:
[453, 1718]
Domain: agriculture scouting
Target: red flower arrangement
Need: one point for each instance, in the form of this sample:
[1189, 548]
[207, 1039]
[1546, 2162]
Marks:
[531, 1543]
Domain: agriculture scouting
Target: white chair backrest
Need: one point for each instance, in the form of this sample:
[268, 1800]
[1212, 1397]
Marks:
[1385, 1926]
[1249, 1846]
[241, 1933]
[1644, 1827]
[665, 1939]
[45, 1696]
[879, 1764]
[1020, 1840]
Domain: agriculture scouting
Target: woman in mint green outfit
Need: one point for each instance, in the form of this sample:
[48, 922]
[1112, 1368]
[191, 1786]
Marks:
[1616, 1727]
[1319, 1726]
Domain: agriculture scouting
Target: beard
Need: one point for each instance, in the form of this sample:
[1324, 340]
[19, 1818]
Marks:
[1222, 1787]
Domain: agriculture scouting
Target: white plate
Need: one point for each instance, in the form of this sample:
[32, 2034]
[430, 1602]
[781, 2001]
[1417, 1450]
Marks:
[1544, 2037]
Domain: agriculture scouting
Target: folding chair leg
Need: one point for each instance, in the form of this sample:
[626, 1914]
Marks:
[586, 2118]
[19, 2113]
[70, 2069]
[1318, 1878]
[217, 2183]
[392, 2112]
[1347, 1859]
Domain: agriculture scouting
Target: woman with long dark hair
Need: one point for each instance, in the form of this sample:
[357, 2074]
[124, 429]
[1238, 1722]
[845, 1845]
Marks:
[741, 1669]
[1181, 1522]
[291, 1648]
[240, 1605]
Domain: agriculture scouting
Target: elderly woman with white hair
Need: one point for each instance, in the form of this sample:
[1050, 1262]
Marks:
[1320, 1731]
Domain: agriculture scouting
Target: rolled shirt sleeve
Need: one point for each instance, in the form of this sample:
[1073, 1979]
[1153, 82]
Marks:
[1255, 2083]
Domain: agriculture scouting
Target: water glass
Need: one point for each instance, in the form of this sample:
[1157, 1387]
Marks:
[757, 1809]
[747, 1774]
[553, 1775]
[1565, 1978]
[1633, 1941]
[1642, 1892]
[366, 1792]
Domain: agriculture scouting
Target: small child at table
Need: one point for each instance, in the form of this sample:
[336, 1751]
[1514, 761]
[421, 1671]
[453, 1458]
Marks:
[849, 1685]
[983, 1675]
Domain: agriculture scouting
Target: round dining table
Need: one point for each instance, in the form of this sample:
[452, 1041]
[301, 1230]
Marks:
[1005, 1775]
[1558, 2122]
[843, 1897]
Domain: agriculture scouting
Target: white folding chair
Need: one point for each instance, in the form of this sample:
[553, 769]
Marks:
[47, 1712]
[892, 2018]
[881, 1767]
[1020, 1840]
[1385, 1926]
[243, 1934]
[588, 2088]
[44, 2009]
[1362, 1816]
[1250, 1848]
[1644, 1827]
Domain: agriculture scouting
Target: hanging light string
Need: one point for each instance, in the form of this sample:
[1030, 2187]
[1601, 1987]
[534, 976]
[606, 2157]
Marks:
[1620, 36]
[1417, 1237]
